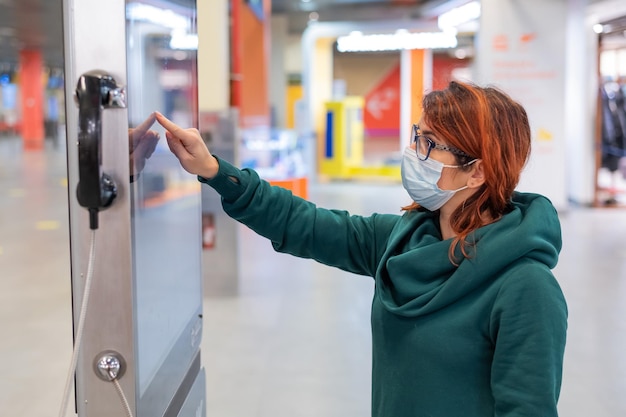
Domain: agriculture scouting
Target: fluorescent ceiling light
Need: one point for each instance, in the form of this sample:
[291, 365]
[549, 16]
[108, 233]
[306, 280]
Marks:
[459, 15]
[402, 39]
[161, 17]
[184, 41]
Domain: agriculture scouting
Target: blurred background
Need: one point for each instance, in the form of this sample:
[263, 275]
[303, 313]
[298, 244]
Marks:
[319, 97]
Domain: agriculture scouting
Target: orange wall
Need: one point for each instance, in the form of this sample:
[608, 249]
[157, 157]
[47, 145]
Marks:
[251, 54]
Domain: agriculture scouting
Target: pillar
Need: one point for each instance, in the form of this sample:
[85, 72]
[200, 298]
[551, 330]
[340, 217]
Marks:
[250, 51]
[278, 76]
[32, 94]
[321, 92]
[415, 79]
[213, 56]
[218, 93]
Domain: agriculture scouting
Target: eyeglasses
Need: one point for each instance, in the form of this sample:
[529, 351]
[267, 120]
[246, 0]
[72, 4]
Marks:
[425, 144]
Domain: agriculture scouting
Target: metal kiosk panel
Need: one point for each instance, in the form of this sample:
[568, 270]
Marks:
[143, 248]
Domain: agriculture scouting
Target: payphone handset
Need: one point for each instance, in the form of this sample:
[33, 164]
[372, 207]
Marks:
[95, 91]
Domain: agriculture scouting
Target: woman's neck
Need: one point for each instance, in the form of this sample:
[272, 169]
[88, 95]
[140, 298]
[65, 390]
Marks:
[446, 227]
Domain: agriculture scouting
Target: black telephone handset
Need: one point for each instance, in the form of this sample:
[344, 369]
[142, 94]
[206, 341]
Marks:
[95, 91]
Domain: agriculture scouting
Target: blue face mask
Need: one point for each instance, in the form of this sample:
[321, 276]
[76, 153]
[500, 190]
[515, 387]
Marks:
[420, 178]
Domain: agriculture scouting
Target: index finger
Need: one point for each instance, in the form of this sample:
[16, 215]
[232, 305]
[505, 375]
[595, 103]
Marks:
[186, 136]
[170, 126]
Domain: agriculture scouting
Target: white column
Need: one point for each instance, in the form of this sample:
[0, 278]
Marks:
[213, 55]
[277, 74]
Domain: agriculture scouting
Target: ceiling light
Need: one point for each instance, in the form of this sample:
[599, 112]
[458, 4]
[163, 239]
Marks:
[402, 39]
[460, 53]
[183, 41]
[459, 15]
[598, 28]
[165, 18]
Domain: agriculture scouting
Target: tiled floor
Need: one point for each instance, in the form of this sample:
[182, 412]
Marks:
[295, 339]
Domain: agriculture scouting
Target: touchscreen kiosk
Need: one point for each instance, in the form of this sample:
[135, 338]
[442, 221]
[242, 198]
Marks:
[135, 214]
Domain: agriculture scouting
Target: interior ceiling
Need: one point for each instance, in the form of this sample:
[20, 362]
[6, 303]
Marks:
[615, 26]
[38, 24]
[614, 35]
[31, 24]
[299, 11]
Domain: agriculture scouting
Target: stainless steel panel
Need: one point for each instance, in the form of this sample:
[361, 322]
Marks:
[108, 324]
[146, 298]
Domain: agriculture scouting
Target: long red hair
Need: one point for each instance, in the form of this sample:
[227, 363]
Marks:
[486, 123]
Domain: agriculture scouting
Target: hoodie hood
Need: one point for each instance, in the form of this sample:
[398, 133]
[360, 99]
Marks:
[416, 276]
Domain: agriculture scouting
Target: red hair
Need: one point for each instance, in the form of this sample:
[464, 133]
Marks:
[487, 124]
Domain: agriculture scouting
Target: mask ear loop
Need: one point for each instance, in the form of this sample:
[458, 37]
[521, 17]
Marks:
[461, 166]
[465, 165]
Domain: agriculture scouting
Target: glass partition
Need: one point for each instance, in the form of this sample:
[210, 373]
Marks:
[165, 200]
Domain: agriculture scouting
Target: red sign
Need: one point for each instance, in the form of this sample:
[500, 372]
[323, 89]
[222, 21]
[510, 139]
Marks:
[382, 106]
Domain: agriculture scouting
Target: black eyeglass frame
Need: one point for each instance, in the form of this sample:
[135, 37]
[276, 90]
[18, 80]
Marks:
[433, 145]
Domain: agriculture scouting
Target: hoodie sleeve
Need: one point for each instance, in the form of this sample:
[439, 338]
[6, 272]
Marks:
[297, 226]
[528, 327]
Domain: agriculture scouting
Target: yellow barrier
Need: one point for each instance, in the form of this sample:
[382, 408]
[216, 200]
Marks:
[342, 150]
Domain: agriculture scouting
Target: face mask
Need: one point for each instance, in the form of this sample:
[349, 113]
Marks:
[420, 178]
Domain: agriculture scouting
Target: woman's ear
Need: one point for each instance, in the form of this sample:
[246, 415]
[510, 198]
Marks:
[478, 175]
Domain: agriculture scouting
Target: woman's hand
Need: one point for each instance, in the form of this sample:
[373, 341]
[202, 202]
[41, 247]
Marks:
[189, 148]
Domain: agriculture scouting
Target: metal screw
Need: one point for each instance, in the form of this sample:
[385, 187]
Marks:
[109, 366]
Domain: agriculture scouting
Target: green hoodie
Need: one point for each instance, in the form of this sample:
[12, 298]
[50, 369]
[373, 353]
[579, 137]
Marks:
[482, 339]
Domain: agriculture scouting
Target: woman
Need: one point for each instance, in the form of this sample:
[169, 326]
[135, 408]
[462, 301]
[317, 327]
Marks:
[467, 318]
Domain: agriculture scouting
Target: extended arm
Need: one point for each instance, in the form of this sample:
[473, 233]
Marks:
[294, 225]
